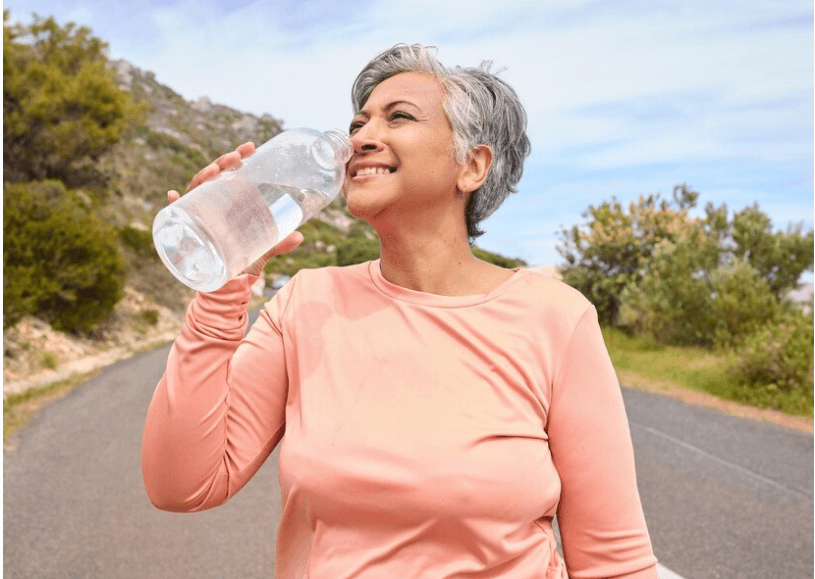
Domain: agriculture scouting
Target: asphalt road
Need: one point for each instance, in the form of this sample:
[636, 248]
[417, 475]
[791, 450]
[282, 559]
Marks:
[724, 496]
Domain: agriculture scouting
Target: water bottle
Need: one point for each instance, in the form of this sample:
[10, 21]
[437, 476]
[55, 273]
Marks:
[224, 225]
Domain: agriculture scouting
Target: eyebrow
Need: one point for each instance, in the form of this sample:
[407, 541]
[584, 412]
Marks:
[388, 107]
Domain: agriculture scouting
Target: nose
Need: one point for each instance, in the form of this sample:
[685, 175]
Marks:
[365, 139]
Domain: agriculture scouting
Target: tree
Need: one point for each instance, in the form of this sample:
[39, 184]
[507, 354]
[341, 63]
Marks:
[778, 257]
[700, 265]
[670, 301]
[60, 263]
[62, 109]
[611, 251]
[681, 300]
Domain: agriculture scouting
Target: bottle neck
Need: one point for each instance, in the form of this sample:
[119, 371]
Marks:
[343, 149]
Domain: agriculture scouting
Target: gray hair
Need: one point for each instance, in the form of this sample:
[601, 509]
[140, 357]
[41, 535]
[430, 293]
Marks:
[482, 109]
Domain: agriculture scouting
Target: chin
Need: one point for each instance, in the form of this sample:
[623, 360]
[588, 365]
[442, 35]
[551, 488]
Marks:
[362, 206]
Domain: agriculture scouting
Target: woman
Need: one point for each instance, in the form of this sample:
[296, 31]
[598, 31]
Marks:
[438, 411]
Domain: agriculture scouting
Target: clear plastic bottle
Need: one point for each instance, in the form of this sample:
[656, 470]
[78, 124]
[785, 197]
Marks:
[224, 225]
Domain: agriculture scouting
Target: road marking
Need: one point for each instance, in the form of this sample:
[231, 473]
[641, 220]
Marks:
[719, 460]
[665, 573]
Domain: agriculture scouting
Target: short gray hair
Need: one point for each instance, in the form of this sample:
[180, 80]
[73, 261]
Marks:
[482, 109]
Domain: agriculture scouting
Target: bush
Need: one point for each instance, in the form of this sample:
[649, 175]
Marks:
[357, 250]
[59, 263]
[62, 108]
[497, 259]
[742, 303]
[149, 316]
[139, 241]
[50, 360]
[670, 302]
[681, 300]
[775, 366]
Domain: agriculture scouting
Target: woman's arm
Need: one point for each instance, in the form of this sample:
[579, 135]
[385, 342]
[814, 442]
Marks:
[600, 515]
[219, 409]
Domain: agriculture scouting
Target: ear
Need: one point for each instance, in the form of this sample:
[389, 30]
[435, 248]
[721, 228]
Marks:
[475, 168]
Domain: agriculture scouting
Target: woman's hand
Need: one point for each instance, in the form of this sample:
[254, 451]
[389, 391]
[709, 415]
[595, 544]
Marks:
[228, 161]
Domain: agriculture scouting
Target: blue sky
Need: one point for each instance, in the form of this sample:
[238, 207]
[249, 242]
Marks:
[624, 98]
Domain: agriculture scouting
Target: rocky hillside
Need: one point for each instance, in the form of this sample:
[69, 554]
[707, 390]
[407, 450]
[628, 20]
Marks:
[178, 138]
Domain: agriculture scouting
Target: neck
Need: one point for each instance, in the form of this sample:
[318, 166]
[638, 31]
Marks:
[435, 260]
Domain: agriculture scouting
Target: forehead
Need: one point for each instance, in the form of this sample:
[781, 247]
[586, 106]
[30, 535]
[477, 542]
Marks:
[422, 90]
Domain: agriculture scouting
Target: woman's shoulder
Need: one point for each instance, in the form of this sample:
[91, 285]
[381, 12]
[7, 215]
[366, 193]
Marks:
[551, 290]
[327, 280]
[321, 285]
[543, 295]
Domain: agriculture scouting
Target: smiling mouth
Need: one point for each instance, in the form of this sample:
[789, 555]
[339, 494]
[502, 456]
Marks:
[373, 171]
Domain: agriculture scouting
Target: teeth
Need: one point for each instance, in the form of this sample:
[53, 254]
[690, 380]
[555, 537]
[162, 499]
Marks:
[372, 171]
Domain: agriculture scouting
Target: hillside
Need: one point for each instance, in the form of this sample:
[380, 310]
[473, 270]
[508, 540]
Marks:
[178, 138]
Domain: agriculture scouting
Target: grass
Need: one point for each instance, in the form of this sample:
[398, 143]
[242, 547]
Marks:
[18, 409]
[696, 369]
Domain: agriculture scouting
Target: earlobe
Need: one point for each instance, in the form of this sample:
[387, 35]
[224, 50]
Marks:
[476, 168]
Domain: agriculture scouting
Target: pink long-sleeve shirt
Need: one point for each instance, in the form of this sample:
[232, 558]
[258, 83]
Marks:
[426, 436]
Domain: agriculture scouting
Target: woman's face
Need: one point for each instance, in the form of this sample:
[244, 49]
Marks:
[403, 162]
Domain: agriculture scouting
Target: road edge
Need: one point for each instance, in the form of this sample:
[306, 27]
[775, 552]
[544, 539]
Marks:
[634, 381]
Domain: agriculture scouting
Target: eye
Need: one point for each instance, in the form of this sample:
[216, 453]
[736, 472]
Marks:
[402, 115]
[355, 126]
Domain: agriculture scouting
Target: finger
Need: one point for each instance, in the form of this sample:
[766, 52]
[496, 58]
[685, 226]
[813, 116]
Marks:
[246, 149]
[173, 196]
[223, 162]
[287, 244]
[228, 160]
[205, 174]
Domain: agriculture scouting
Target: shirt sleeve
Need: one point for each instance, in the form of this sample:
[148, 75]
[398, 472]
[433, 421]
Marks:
[219, 410]
[600, 516]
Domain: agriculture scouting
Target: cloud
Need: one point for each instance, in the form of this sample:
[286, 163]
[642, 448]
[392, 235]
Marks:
[622, 97]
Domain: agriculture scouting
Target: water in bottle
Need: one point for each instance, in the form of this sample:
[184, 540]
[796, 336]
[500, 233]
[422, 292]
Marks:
[223, 226]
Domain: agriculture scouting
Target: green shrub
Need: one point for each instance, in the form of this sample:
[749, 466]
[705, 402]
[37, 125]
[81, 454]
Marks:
[682, 301]
[317, 230]
[742, 303]
[670, 301]
[291, 263]
[59, 263]
[497, 259]
[357, 250]
[137, 240]
[775, 366]
[149, 316]
[50, 360]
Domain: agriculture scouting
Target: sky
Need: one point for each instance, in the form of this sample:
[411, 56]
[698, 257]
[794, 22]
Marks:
[624, 98]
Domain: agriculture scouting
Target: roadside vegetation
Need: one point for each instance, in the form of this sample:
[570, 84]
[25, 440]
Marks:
[699, 298]
[701, 369]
